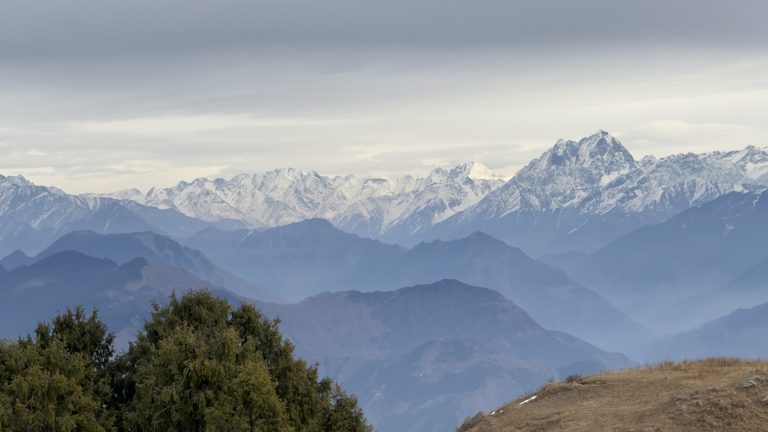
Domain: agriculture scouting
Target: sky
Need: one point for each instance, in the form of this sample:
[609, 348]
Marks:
[97, 96]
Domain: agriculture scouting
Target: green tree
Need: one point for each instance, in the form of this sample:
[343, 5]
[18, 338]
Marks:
[344, 414]
[198, 365]
[55, 381]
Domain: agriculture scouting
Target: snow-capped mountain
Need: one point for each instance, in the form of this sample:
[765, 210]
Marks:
[32, 216]
[580, 195]
[373, 206]
[576, 195]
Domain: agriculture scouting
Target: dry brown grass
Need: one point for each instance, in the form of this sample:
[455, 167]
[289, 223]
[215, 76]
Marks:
[701, 396]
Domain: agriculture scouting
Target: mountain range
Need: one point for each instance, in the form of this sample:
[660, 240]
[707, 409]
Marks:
[686, 270]
[422, 358]
[412, 354]
[32, 216]
[122, 293]
[311, 257]
[580, 195]
[123, 248]
[387, 208]
[584, 247]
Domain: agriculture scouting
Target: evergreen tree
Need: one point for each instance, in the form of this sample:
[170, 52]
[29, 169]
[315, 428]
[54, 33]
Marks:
[55, 381]
[198, 365]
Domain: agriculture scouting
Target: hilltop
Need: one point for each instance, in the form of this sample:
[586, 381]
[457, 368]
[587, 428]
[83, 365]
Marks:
[708, 395]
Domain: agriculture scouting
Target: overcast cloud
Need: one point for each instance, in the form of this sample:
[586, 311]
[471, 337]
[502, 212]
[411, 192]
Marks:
[102, 95]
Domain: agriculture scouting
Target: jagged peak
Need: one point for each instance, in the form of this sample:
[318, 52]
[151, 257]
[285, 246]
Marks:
[16, 180]
[600, 151]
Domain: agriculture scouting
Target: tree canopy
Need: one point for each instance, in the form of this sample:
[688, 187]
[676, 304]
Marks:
[198, 365]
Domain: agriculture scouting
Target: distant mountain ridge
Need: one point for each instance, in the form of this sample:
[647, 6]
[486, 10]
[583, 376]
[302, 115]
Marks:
[121, 292]
[381, 207]
[738, 334]
[576, 195]
[421, 358]
[310, 257]
[124, 248]
[691, 268]
[32, 216]
[583, 194]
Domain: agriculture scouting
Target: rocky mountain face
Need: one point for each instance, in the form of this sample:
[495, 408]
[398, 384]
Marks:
[418, 353]
[581, 195]
[387, 208]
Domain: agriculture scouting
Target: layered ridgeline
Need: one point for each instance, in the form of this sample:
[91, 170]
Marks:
[388, 208]
[32, 216]
[422, 358]
[696, 266]
[123, 248]
[576, 195]
[122, 292]
[582, 194]
[311, 257]
[739, 334]
[427, 354]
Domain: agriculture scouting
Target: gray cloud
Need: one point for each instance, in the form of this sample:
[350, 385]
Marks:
[105, 95]
[75, 27]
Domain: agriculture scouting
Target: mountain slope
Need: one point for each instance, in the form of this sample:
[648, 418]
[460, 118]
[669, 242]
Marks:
[123, 248]
[297, 260]
[744, 291]
[33, 216]
[706, 396]
[753, 279]
[122, 293]
[418, 354]
[739, 334]
[691, 254]
[581, 195]
[311, 257]
[548, 294]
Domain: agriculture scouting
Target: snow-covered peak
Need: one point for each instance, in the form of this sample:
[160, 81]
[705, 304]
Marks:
[15, 181]
[599, 152]
[365, 205]
[132, 194]
[563, 176]
[597, 175]
[469, 170]
[753, 161]
[477, 171]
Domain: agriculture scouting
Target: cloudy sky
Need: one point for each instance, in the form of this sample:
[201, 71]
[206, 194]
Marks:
[103, 95]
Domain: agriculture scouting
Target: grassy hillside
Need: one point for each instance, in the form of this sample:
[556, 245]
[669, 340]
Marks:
[708, 395]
